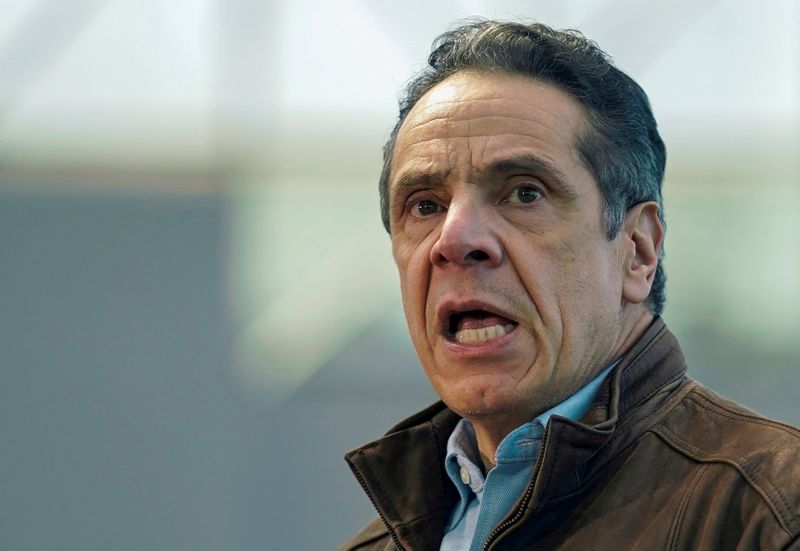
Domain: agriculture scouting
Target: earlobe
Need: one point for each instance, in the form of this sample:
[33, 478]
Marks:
[645, 234]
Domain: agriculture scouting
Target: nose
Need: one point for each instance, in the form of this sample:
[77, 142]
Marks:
[467, 236]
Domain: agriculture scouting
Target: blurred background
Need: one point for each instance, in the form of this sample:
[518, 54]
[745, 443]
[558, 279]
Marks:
[199, 313]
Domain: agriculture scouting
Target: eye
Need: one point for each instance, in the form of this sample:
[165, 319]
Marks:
[425, 207]
[524, 194]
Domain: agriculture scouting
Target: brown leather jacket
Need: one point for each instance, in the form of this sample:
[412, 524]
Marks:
[658, 462]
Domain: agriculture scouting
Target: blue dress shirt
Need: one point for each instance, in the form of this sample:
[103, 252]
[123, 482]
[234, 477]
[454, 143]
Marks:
[485, 501]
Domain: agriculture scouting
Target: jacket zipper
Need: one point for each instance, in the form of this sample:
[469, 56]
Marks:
[380, 513]
[526, 497]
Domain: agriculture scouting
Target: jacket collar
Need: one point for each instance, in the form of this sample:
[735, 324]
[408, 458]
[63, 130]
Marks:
[403, 472]
[645, 379]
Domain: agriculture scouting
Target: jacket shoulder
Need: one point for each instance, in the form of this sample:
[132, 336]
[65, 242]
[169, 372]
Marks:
[712, 429]
[373, 535]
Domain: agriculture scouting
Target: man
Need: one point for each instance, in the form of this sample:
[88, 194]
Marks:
[522, 192]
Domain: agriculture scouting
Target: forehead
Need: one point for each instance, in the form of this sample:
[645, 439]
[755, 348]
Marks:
[473, 119]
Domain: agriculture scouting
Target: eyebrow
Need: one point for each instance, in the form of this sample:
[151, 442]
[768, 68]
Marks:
[554, 176]
[411, 181]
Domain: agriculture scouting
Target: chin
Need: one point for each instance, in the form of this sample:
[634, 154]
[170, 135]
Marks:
[482, 401]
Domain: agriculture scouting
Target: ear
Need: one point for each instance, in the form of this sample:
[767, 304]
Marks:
[643, 234]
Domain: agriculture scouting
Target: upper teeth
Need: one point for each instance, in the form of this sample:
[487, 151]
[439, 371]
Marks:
[469, 336]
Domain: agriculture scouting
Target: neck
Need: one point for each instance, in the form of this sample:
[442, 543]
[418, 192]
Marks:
[488, 463]
[489, 434]
[633, 327]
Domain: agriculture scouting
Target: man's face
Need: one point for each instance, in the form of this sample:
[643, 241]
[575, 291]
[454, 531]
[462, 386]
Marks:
[511, 290]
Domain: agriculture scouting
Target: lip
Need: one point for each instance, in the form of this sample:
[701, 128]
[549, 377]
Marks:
[449, 307]
[488, 348]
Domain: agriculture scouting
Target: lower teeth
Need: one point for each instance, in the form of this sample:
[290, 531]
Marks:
[483, 334]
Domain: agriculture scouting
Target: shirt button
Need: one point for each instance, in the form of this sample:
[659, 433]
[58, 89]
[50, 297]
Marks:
[464, 475]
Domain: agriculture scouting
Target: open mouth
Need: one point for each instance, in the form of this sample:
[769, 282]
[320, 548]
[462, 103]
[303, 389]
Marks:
[477, 326]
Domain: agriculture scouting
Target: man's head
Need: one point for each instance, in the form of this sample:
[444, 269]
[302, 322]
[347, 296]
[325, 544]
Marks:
[621, 147]
[522, 194]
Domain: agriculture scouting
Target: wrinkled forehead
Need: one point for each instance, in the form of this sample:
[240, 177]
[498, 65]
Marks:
[484, 114]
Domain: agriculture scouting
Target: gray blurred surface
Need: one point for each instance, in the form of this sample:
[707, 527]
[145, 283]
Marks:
[119, 425]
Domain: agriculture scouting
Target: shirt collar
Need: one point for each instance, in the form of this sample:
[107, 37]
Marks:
[521, 444]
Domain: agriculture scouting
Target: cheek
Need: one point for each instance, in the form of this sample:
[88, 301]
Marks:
[413, 269]
[541, 274]
[592, 292]
[557, 272]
